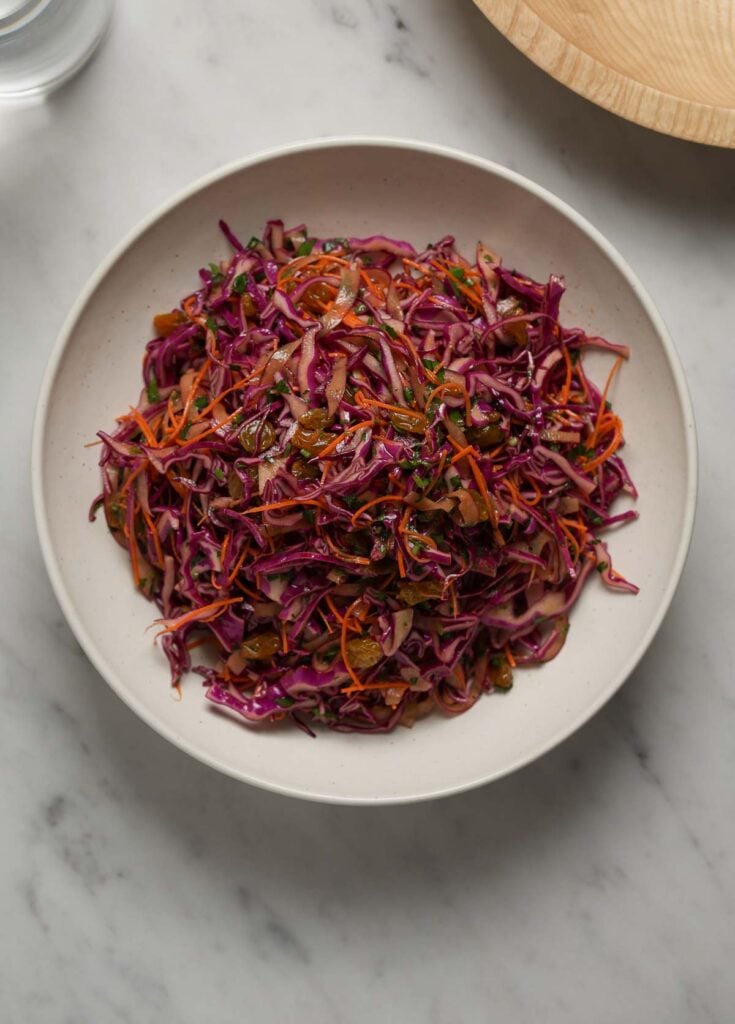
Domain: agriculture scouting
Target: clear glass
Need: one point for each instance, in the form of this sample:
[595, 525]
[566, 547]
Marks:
[44, 42]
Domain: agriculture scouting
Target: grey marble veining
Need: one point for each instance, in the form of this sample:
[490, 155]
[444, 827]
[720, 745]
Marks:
[137, 885]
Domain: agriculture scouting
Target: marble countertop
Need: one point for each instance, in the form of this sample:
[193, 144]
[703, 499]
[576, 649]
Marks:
[137, 885]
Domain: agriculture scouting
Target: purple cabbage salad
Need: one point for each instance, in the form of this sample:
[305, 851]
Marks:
[368, 481]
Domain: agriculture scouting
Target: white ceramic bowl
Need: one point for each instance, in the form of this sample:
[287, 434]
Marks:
[340, 187]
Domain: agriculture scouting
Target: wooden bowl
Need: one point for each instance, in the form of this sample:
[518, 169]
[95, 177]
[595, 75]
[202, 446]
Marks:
[665, 64]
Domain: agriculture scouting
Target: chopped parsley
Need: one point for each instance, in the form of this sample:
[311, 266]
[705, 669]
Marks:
[152, 389]
[305, 248]
[217, 275]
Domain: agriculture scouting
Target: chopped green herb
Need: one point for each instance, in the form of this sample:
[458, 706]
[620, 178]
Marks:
[601, 566]
[212, 324]
[305, 248]
[409, 394]
[608, 406]
[219, 474]
[152, 388]
[390, 331]
[217, 275]
[304, 454]
[456, 416]
[201, 402]
[581, 451]
[184, 432]
[359, 308]
[422, 481]
[253, 243]
[240, 284]
[595, 519]
[285, 702]
[575, 356]
[455, 483]
[335, 243]
[441, 374]
[430, 364]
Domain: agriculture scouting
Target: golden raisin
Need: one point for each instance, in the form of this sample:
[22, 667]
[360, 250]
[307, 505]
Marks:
[408, 423]
[364, 652]
[257, 436]
[260, 646]
[501, 674]
[166, 323]
[414, 593]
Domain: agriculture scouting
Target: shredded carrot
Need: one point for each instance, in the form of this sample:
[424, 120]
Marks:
[154, 536]
[284, 638]
[613, 446]
[482, 486]
[362, 400]
[349, 430]
[343, 644]
[603, 398]
[133, 547]
[193, 390]
[325, 620]
[212, 430]
[144, 428]
[461, 453]
[509, 656]
[537, 492]
[133, 474]
[287, 503]
[401, 563]
[248, 591]
[423, 538]
[416, 266]
[223, 549]
[412, 349]
[376, 686]
[570, 537]
[216, 608]
[480, 481]
[374, 501]
[468, 292]
[238, 564]
[333, 608]
[455, 603]
[357, 559]
[450, 386]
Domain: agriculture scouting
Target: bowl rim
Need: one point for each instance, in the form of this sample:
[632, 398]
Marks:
[109, 673]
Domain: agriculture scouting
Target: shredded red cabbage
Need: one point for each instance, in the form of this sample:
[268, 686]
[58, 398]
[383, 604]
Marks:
[373, 480]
